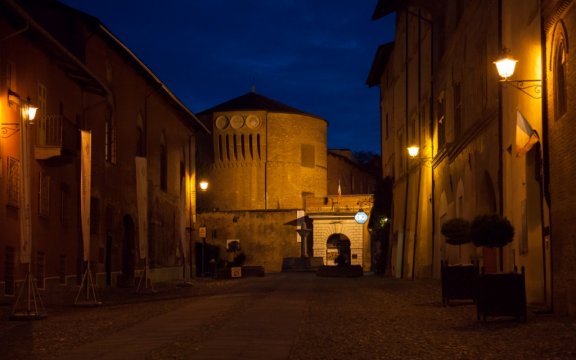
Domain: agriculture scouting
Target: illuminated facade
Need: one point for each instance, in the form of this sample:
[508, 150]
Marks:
[86, 79]
[440, 91]
[269, 166]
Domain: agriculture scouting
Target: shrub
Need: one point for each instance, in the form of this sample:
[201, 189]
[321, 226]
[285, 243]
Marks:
[491, 231]
[456, 231]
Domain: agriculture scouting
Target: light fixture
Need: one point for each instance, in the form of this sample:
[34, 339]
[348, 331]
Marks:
[413, 151]
[203, 185]
[27, 113]
[31, 112]
[505, 65]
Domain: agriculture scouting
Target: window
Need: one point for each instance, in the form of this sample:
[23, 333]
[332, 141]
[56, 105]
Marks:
[386, 127]
[457, 110]
[560, 98]
[94, 215]
[62, 270]
[110, 138]
[163, 163]
[220, 147]
[64, 206]
[9, 259]
[44, 195]
[441, 122]
[13, 166]
[307, 156]
[40, 269]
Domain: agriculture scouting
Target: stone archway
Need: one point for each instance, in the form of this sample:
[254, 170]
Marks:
[337, 245]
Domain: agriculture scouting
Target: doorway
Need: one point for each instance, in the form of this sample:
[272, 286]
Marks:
[338, 249]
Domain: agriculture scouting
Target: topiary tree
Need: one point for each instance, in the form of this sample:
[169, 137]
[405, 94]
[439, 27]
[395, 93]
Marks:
[456, 231]
[491, 231]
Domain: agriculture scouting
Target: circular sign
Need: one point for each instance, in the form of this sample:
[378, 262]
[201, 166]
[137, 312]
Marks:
[361, 217]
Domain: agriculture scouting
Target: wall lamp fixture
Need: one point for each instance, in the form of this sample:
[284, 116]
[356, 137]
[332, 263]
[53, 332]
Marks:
[506, 65]
[27, 112]
[414, 153]
[203, 185]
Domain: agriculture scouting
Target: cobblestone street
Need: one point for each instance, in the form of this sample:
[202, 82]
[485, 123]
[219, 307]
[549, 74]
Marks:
[285, 316]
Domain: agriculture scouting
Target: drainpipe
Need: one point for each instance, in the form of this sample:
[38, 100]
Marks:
[406, 195]
[500, 137]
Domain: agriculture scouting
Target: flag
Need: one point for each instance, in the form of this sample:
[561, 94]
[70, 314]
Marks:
[526, 136]
[85, 187]
[339, 192]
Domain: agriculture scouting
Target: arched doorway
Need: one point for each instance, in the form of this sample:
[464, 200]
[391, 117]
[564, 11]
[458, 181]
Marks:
[128, 252]
[337, 245]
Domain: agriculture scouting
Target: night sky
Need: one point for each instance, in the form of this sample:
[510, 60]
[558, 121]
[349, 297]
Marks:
[313, 55]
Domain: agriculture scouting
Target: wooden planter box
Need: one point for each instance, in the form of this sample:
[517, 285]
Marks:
[459, 282]
[502, 295]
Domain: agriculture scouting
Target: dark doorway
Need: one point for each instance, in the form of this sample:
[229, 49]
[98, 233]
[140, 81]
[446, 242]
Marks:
[338, 245]
[108, 263]
[128, 251]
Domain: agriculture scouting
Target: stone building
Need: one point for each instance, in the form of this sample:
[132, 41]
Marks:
[268, 165]
[559, 74]
[142, 160]
[441, 91]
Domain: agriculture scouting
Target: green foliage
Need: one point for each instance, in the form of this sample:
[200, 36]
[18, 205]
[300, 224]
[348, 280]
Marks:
[456, 231]
[491, 231]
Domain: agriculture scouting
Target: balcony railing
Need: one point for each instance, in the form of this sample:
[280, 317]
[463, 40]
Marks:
[56, 136]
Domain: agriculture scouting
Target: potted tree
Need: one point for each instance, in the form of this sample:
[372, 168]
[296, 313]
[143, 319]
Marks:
[499, 294]
[458, 280]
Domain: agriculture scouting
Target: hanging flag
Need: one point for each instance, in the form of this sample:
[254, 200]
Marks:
[85, 186]
[142, 204]
[526, 136]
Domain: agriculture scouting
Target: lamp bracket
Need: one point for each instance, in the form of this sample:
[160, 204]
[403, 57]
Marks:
[9, 129]
[532, 88]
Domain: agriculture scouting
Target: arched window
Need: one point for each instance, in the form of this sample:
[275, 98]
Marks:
[558, 61]
[560, 101]
[163, 163]
[110, 137]
[140, 143]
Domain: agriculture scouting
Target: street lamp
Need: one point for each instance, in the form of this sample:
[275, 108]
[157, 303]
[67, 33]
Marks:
[32, 308]
[505, 65]
[203, 185]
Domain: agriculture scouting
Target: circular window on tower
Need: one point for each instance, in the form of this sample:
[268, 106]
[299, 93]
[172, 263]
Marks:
[221, 122]
[252, 121]
[237, 121]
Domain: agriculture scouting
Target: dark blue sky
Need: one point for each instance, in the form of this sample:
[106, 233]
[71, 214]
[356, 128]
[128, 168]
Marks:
[314, 55]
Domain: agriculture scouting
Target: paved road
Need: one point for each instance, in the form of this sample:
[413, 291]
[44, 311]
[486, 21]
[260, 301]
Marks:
[291, 316]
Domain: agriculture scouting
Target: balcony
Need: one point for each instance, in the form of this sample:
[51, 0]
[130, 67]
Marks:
[56, 138]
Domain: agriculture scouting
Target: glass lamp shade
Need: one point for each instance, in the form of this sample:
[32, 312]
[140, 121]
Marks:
[505, 66]
[413, 151]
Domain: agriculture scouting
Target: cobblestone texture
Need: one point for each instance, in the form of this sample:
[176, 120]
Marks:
[344, 318]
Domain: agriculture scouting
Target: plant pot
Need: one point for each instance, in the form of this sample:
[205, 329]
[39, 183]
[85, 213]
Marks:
[502, 294]
[459, 282]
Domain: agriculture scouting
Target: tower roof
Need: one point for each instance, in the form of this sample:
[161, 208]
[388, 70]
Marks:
[254, 101]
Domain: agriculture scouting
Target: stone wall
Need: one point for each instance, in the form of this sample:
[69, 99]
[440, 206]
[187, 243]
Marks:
[266, 237]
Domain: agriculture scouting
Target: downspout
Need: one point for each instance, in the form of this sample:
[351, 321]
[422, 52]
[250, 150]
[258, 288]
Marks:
[402, 151]
[500, 137]
[419, 144]
[431, 132]
[544, 195]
